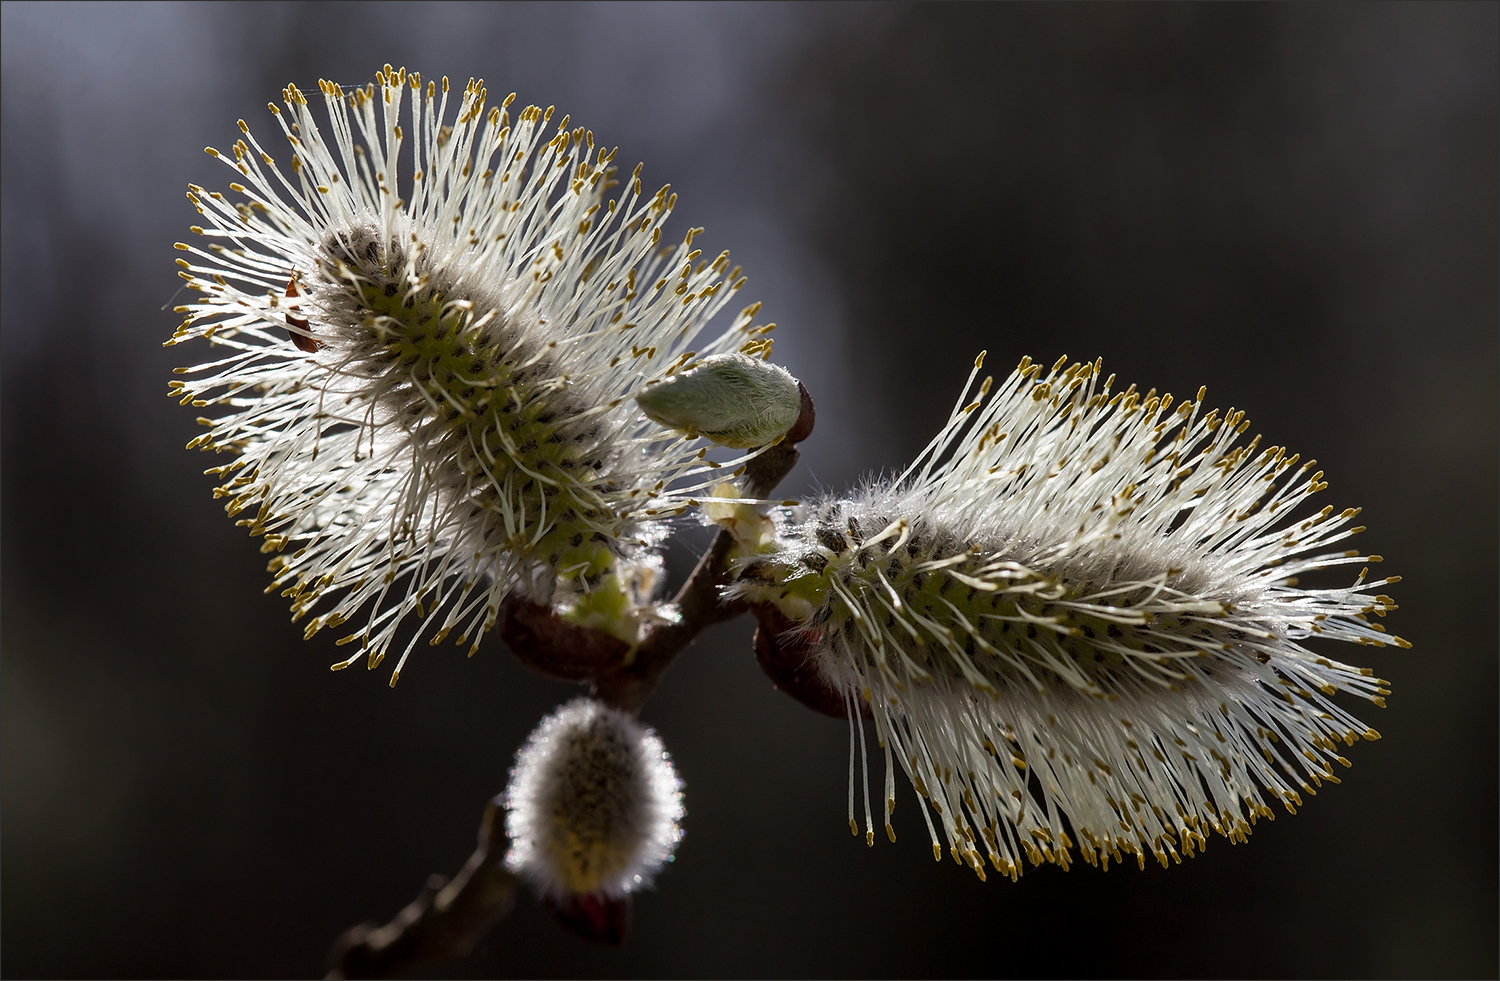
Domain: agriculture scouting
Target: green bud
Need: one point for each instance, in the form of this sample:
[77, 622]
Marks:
[732, 399]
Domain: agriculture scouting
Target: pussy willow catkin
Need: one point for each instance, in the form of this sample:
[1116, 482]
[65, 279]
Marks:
[594, 804]
[1078, 614]
[429, 327]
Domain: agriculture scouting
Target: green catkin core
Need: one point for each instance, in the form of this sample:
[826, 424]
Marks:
[486, 404]
[979, 635]
[534, 455]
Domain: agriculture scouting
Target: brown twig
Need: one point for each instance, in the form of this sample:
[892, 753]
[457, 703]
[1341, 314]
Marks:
[552, 646]
[445, 921]
[698, 602]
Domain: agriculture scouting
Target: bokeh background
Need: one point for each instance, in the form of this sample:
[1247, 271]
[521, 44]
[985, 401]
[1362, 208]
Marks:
[1293, 204]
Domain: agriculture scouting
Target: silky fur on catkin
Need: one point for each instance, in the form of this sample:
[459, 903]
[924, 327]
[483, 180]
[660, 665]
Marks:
[594, 804]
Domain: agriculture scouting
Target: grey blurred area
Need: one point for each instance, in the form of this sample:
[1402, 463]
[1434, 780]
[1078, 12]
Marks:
[1295, 205]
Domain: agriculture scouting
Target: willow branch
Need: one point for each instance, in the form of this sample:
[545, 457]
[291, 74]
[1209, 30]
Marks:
[699, 603]
[448, 918]
[445, 921]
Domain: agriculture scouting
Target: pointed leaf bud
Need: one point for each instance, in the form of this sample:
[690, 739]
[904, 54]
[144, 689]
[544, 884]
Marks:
[731, 399]
[594, 804]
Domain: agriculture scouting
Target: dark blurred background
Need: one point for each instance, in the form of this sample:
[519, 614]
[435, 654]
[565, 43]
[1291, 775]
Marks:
[1293, 204]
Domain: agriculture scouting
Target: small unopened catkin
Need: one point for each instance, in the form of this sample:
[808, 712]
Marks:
[594, 804]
